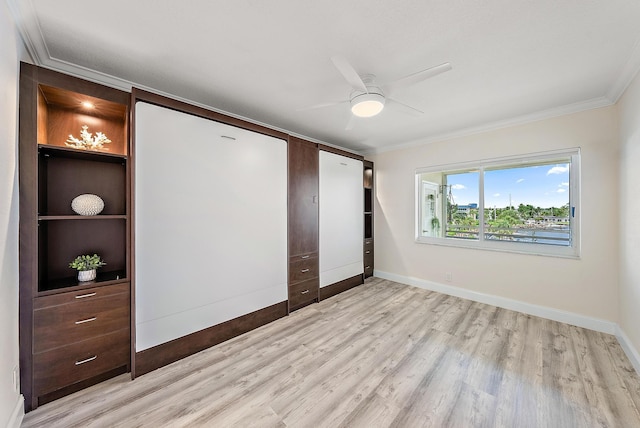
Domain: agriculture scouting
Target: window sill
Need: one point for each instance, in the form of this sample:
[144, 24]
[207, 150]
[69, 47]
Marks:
[505, 247]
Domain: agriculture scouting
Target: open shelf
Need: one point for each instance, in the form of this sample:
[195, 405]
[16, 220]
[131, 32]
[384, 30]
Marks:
[72, 153]
[81, 217]
[62, 113]
[62, 178]
[71, 283]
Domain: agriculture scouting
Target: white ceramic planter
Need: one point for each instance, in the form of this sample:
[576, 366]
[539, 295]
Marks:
[86, 275]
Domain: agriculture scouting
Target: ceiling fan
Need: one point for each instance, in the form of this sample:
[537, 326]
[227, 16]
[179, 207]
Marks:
[369, 97]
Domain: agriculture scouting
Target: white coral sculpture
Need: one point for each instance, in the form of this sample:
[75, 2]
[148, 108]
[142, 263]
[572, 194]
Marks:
[87, 141]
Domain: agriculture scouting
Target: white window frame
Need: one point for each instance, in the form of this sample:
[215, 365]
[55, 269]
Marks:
[570, 251]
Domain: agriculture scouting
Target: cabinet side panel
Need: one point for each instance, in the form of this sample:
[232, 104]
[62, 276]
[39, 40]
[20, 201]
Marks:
[303, 197]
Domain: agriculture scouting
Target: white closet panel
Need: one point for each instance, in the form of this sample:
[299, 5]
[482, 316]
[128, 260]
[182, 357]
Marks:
[210, 223]
[341, 219]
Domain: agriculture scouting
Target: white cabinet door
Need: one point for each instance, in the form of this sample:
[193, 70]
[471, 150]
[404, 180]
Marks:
[210, 223]
[341, 218]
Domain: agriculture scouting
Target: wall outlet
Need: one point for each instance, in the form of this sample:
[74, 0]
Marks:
[16, 379]
[447, 276]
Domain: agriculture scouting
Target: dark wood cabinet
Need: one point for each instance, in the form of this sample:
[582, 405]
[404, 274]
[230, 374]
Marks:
[80, 338]
[71, 332]
[303, 223]
[368, 218]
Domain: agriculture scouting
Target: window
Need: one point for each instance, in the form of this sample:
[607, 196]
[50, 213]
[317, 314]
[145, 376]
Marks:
[521, 204]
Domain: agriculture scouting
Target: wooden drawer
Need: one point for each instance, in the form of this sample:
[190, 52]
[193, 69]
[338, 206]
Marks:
[303, 292]
[368, 264]
[80, 295]
[368, 270]
[368, 252]
[82, 319]
[303, 270]
[368, 260]
[305, 256]
[80, 361]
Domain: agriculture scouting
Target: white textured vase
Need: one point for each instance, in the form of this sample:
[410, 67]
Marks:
[87, 204]
[86, 275]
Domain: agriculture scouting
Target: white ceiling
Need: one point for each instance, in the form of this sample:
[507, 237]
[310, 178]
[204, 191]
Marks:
[513, 60]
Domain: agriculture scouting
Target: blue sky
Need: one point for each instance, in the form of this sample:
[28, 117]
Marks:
[541, 186]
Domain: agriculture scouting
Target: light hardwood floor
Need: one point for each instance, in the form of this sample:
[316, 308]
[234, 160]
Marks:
[382, 354]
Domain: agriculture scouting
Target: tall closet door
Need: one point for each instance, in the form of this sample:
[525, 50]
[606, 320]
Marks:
[211, 223]
[341, 222]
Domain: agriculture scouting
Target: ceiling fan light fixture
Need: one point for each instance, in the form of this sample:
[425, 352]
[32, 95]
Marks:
[367, 105]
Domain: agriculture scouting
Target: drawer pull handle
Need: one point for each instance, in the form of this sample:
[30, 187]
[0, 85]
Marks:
[87, 360]
[367, 267]
[304, 270]
[87, 320]
[304, 292]
[82, 296]
[305, 257]
[368, 252]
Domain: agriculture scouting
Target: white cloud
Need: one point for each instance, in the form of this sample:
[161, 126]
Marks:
[558, 170]
[519, 180]
[458, 186]
[564, 184]
[495, 195]
[561, 190]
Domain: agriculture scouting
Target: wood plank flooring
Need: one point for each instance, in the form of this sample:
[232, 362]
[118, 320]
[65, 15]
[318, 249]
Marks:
[379, 355]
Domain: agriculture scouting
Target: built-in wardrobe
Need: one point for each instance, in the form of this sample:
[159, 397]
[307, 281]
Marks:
[211, 227]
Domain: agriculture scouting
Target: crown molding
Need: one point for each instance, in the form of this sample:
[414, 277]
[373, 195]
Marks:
[28, 24]
[626, 76]
[500, 124]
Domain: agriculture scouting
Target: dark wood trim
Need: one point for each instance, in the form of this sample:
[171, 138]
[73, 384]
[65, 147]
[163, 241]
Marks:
[167, 353]
[162, 101]
[47, 398]
[302, 305]
[130, 179]
[131, 212]
[341, 286]
[28, 191]
[75, 84]
[339, 152]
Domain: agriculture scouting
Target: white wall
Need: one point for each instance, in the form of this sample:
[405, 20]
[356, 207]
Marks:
[11, 50]
[588, 287]
[629, 114]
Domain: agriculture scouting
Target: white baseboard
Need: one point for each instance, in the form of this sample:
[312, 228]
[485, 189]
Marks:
[503, 302]
[628, 348]
[18, 414]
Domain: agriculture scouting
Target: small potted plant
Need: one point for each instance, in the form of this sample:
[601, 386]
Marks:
[86, 266]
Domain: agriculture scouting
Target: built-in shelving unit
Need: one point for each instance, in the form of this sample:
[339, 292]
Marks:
[368, 218]
[72, 333]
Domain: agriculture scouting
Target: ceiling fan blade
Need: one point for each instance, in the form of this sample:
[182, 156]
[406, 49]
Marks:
[414, 78]
[349, 73]
[404, 107]
[322, 105]
[351, 123]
